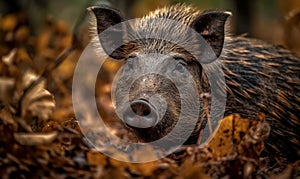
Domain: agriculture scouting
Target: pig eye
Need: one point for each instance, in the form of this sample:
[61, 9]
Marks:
[131, 56]
[129, 64]
[180, 68]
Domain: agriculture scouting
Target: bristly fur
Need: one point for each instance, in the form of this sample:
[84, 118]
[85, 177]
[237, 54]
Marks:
[259, 77]
[170, 16]
[265, 78]
[181, 14]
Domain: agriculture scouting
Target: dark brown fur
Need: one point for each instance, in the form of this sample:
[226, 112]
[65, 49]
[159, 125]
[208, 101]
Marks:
[259, 77]
[265, 78]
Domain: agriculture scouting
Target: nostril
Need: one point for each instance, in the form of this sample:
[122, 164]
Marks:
[140, 114]
[141, 108]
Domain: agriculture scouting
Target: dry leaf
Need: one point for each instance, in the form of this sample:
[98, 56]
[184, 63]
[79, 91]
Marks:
[35, 138]
[9, 58]
[235, 134]
[22, 34]
[96, 158]
[6, 88]
[23, 56]
[38, 101]
[191, 170]
[7, 118]
[143, 169]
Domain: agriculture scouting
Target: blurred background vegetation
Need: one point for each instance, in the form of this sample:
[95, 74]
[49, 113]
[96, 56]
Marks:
[276, 21]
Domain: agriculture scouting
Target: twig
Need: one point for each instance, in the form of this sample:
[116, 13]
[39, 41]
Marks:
[205, 97]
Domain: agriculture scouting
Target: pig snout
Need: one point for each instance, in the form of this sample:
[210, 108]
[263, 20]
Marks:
[141, 114]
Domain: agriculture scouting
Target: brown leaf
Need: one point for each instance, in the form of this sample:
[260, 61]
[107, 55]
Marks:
[235, 134]
[35, 138]
[7, 117]
[9, 58]
[22, 34]
[23, 56]
[191, 170]
[38, 101]
[96, 158]
[6, 89]
[143, 169]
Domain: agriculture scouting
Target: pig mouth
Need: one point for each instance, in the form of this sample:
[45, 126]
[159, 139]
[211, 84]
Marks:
[140, 114]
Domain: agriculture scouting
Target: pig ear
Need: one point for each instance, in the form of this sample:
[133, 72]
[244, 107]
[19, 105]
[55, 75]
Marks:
[110, 32]
[211, 25]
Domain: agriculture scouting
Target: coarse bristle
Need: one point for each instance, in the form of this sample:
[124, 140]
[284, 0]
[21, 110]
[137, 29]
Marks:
[179, 12]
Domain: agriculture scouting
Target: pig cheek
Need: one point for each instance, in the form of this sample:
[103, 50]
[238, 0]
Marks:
[173, 107]
[121, 91]
[167, 123]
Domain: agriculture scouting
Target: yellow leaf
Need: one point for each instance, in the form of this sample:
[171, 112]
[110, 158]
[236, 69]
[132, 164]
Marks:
[230, 131]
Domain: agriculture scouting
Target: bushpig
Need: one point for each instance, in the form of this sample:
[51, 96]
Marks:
[259, 77]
